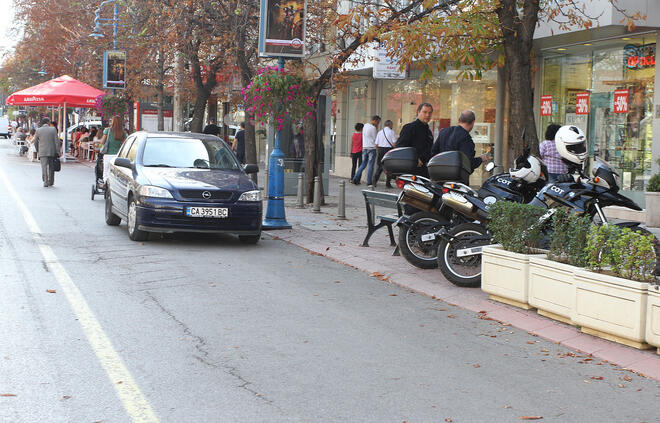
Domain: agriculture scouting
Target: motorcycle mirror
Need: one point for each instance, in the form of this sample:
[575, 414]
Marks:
[523, 133]
[490, 166]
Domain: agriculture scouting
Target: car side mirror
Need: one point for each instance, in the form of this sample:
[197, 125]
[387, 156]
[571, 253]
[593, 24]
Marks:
[124, 162]
[251, 168]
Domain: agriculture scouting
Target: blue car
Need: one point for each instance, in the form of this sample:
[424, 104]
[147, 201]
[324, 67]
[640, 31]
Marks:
[182, 182]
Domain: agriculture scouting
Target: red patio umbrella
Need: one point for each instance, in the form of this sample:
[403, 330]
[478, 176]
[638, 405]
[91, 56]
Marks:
[57, 92]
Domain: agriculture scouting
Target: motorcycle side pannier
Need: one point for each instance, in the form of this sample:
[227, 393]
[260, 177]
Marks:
[450, 166]
[400, 160]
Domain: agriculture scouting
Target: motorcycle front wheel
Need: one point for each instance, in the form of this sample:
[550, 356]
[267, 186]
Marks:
[462, 271]
[422, 254]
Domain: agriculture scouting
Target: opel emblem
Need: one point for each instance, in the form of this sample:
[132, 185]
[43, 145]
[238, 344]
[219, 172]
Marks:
[206, 195]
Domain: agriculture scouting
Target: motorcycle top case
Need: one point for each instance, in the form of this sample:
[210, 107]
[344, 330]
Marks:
[450, 166]
[400, 160]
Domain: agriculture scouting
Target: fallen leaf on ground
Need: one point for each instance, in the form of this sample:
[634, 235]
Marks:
[393, 295]
[476, 366]
[621, 385]
[544, 350]
[376, 274]
[451, 316]
[51, 291]
[507, 406]
[66, 396]
[627, 378]
[7, 395]
[337, 281]
[327, 249]
[530, 342]
[448, 420]
[531, 417]
[597, 377]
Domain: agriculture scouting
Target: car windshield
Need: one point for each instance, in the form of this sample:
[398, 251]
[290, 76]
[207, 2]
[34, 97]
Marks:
[188, 153]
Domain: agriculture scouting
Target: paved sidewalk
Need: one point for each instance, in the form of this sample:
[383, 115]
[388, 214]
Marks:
[339, 240]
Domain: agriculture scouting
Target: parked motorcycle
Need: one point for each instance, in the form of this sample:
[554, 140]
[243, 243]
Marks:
[419, 231]
[459, 251]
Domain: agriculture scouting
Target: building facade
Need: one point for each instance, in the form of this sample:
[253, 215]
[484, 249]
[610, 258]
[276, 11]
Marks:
[601, 80]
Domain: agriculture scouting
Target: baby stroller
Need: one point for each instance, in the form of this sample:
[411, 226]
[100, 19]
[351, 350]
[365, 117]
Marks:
[98, 187]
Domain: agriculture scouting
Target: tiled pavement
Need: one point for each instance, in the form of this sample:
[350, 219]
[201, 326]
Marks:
[339, 240]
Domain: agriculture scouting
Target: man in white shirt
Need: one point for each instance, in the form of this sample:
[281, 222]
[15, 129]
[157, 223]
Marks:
[369, 133]
[385, 141]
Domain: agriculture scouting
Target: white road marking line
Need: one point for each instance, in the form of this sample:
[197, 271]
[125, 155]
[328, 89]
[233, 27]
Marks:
[134, 402]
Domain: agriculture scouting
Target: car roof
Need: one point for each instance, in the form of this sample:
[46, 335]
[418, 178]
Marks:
[167, 134]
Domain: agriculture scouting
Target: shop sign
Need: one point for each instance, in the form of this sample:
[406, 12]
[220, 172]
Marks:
[582, 103]
[639, 57]
[621, 101]
[386, 67]
[546, 105]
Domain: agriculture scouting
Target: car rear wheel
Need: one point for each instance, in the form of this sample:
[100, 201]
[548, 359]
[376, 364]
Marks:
[249, 239]
[133, 232]
[111, 219]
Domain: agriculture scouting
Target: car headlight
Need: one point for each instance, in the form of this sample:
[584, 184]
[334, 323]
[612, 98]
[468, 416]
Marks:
[251, 196]
[152, 191]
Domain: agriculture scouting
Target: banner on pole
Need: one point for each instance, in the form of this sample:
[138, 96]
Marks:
[114, 69]
[282, 28]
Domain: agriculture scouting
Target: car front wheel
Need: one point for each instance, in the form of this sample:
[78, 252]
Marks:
[249, 239]
[133, 232]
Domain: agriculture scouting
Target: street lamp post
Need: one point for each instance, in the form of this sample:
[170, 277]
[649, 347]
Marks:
[275, 214]
[114, 22]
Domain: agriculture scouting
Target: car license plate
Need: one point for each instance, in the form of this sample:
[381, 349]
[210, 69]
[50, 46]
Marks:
[214, 212]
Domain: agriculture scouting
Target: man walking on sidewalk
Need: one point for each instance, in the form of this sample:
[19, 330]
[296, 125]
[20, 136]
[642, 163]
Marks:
[385, 141]
[369, 133]
[48, 149]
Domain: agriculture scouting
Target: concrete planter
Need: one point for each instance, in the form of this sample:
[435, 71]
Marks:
[653, 317]
[505, 275]
[552, 288]
[611, 308]
[653, 209]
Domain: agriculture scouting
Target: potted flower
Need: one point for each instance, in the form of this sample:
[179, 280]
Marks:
[653, 201]
[611, 296]
[111, 105]
[505, 267]
[551, 287]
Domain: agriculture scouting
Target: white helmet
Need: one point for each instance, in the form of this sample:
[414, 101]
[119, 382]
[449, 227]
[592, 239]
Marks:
[530, 170]
[571, 144]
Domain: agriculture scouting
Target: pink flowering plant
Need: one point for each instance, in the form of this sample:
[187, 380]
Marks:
[111, 105]
[275, 95]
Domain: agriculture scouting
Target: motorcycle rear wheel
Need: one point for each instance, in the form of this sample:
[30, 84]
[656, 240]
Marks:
[422, 254]
[462, 271]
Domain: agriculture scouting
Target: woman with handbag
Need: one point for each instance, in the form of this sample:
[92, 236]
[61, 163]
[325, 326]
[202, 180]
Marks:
[113, 138]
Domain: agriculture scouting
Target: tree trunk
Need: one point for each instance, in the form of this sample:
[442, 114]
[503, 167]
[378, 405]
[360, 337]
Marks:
[160, 89]
[177, 113]
[518, 25]
[203, 89]
[198, 111]
[312, 156]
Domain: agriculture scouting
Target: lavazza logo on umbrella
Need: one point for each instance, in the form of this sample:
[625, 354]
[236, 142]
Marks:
[33, 99]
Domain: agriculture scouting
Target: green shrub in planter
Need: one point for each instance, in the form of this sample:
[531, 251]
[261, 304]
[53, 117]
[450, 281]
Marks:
[569, 238]
[515, 226]
[627, 254]
[653, 185]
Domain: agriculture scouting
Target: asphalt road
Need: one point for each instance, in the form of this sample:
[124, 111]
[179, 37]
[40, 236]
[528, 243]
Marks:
[203, 329]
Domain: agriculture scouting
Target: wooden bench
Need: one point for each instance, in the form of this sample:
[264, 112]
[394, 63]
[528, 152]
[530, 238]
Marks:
[381, 199]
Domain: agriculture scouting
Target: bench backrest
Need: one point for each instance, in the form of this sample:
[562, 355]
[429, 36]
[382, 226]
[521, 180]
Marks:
[382, 199]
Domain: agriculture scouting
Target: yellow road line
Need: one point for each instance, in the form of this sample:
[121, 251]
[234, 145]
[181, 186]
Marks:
[134, 402]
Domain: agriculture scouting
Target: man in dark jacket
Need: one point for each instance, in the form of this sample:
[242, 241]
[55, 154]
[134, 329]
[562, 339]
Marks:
[457, 138]
[417, 134]
[211, 128]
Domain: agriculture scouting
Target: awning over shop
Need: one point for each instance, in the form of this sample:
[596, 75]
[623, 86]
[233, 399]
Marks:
[56, 92]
